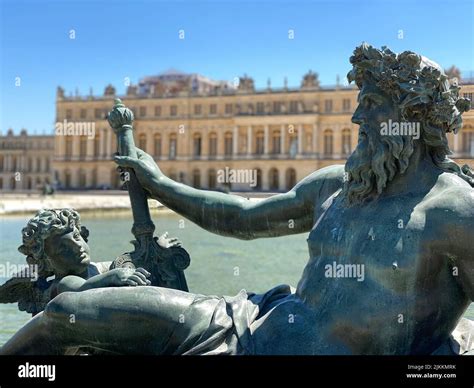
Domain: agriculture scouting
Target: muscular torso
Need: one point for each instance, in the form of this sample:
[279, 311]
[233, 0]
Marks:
[409, 286]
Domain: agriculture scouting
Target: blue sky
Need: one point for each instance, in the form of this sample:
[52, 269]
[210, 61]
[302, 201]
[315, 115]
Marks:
[223, 39]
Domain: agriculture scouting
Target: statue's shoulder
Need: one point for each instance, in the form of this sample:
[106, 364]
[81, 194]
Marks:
[454, 196]
[320, 184]
[333, 175]
[329, 178]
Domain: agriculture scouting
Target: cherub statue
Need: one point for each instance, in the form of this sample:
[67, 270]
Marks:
[58, 257]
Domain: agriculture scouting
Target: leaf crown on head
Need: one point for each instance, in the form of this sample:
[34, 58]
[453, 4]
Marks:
[418, 85]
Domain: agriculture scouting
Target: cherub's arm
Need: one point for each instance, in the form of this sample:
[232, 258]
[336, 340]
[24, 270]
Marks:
[114, 278]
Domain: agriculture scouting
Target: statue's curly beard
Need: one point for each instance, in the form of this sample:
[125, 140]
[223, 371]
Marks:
[376, 161]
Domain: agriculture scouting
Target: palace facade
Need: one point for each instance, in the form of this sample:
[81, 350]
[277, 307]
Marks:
[197, 128]
[25, 161]
[282, 134]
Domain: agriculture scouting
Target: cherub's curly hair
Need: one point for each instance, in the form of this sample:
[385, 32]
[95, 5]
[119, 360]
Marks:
[46, 223]
[423, 93]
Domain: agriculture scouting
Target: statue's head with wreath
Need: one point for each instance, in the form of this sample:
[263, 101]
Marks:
[413, 95]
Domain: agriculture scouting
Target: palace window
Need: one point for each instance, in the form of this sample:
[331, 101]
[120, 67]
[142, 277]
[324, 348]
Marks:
[293, 140]
[213, 109]
[346, 142]
[94, 178]
[212, 179]
[228, 146]
[328, 142]
[260, 143]
[290, 178]
[276, 107]
[197, 179]
[67, 179]
[213, 145]
[198, 109]
[173, 146]
[13, 167]
[97, 145]
[157, 111]
[276, 142]
[83, 147]
[142, 111]
[328, 106]
[82, 179]
[260, 108]
[173, 110]
[197, 145]
[83, 113]
[293, 106]
[468, 143]
[346, 105]
[68, 114]
[258, 186]
[68, 148]
[157, 146]
[228, 109]
[273, 179]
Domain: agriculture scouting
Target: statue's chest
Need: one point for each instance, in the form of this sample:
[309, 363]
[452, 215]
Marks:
[385, 230]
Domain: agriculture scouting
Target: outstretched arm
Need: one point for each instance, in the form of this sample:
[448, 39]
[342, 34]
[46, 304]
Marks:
[232, 215]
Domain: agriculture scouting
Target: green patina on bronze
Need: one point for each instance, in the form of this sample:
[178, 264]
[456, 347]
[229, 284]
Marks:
[399, 214]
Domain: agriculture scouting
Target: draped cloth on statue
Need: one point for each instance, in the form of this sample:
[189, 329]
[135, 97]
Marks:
[221, 324]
